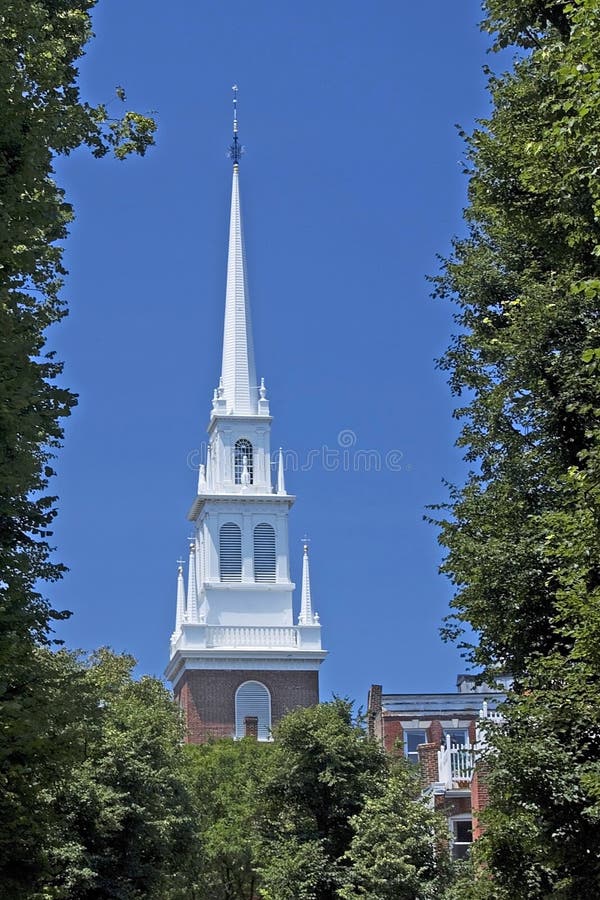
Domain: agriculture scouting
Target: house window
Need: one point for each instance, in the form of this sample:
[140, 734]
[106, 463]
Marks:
[253, 710]
[462, 837]
[243, 462]
[459, 737]
[412, 739]
[264, 552]
[230, 552]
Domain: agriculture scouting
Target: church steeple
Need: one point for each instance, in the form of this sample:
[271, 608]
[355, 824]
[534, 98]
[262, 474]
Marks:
[238, 389]
[236, 654]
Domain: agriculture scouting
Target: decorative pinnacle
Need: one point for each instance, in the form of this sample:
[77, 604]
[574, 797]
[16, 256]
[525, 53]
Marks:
[236, 149]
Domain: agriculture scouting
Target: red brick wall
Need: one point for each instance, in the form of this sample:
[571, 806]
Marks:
[393, 734]
[429, 763]
[480, 796]
[374, 711]
[436, 733]
[208, 698]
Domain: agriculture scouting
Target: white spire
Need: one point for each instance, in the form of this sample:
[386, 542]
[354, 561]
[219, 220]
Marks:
[192, 605]
[306, 611]
[180, 596]
[239, 387]
[280, 474]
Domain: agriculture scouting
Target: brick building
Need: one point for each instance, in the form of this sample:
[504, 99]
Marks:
[238, 660]
[440, 732]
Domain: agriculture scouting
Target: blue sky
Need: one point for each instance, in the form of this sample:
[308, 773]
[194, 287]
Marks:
[351, 184]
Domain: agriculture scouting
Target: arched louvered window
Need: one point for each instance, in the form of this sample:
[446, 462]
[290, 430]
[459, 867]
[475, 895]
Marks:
[230, 552]
[253, 701]
[264, 552]
[243, 463]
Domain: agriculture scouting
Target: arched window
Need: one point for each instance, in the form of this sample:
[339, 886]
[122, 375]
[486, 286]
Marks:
[230, 552]
[243, 463]
[264, 552]
[253, 702]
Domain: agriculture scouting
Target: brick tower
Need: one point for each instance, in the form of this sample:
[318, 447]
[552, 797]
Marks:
[238, 662]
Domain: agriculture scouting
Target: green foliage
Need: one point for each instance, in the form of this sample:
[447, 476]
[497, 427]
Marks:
[400, 847]
[296, 869]
[41, 116]
[322, 769]
[522, 535]
[224, 779]
[123, 822]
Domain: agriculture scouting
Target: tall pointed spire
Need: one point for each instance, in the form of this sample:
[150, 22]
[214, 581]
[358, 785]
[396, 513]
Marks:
[180, 596]
[306, 611]
[280, 473]
[239, 387]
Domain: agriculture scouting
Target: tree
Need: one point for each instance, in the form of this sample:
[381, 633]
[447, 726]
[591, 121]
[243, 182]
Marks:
[124, 821]
[323, 768]
[522, 534]
[224, 780]
[400, 846]
[41, 116]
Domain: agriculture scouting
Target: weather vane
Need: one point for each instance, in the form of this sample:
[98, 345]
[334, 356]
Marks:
[236, 149]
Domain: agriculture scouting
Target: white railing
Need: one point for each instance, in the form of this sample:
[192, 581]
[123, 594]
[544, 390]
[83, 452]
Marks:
[246, 636]
[491, 715]
[486, 715]
[456, 763]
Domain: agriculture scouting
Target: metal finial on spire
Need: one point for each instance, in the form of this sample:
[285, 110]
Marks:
[234, 88]
[236, 149]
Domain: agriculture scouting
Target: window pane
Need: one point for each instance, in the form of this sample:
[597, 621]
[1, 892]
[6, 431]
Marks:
[243, 460]
[460, 851]
[458, 736]
[463, 831]
[412, 739]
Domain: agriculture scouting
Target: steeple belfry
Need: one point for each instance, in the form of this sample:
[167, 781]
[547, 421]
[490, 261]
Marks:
[238, 387]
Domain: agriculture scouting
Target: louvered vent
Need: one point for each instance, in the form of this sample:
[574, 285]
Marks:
[252, 700]
[230, 552]
[243, 455]
[264, 552]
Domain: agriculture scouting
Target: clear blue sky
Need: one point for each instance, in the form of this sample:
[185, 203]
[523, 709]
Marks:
[351, 184]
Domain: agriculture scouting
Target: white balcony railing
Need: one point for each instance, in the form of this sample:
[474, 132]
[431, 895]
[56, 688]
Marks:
[245, 636]
[486, 715]
[456, 763]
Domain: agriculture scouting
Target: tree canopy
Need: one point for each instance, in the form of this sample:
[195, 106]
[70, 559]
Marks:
[42, 116]
[522, 533]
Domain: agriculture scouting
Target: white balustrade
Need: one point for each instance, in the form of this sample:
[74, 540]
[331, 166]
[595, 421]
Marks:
[248, 636]
[456, 763]
[486, 715]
